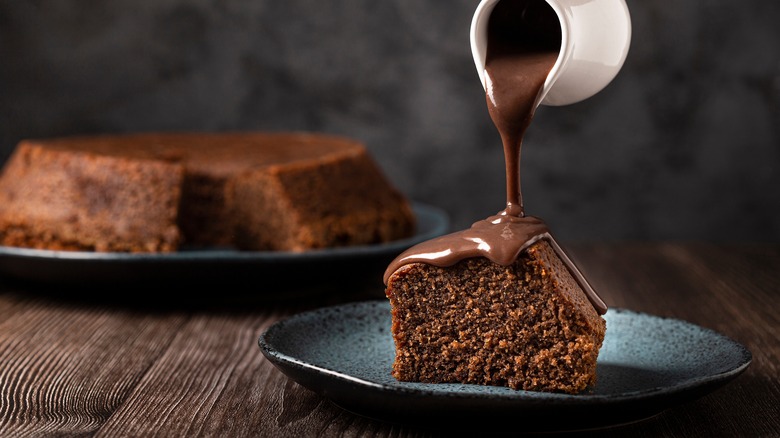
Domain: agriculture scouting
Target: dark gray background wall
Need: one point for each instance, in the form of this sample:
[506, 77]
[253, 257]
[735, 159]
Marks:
[684, 144]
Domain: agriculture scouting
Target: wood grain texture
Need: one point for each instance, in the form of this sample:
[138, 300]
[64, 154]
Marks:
[103, 367]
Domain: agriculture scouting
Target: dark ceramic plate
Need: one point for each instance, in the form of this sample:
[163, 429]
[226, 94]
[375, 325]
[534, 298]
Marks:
[647, 364]
[269, 271]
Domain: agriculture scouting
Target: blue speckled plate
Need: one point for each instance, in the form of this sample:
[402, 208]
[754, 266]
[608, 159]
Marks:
[647, 364]
[266, 272]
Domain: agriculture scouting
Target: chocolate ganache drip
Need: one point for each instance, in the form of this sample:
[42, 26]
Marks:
[524, 41]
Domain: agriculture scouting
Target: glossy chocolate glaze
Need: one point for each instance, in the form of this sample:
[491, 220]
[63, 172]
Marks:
[500, 238]
[523, 44]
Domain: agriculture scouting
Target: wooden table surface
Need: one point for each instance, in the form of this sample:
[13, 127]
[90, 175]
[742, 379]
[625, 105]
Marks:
[123, 365]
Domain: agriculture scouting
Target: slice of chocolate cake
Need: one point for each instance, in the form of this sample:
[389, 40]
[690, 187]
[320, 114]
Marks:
[528, 325]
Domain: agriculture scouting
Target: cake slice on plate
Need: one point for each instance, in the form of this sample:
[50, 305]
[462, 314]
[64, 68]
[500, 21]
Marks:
[527, 321]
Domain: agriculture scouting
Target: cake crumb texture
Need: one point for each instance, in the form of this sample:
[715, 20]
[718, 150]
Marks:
[526, 326]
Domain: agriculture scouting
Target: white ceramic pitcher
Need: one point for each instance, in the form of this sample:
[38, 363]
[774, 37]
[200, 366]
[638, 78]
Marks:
[595, 36]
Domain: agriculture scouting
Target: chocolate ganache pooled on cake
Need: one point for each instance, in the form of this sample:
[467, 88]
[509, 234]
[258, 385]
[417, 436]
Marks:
[500, 303]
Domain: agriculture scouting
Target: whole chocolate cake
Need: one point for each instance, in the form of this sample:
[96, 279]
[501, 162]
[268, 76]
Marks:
[153, 192]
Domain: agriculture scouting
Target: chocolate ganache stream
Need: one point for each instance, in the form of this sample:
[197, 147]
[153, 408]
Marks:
[524, 39]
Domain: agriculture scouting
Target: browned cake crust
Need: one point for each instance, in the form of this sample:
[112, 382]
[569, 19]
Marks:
[527, 326]
[78, 201]
[151, 192]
